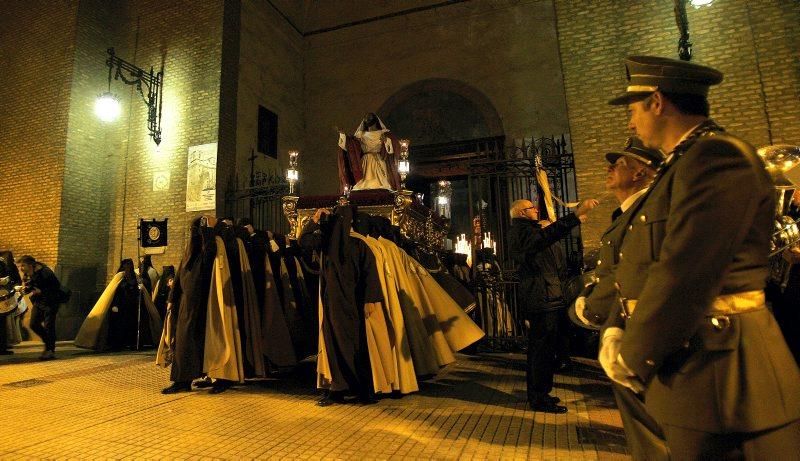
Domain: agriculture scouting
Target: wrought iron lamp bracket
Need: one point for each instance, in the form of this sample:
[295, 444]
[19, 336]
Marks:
[137, 76]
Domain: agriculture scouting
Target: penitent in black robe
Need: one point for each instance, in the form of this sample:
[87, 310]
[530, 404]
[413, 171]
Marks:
[122, 323]
[348, 280]
[189, 299]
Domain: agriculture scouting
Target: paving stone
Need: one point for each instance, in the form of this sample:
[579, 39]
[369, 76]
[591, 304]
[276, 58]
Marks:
[109, 406]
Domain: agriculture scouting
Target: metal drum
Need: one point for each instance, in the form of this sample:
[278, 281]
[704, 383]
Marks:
[8, 300]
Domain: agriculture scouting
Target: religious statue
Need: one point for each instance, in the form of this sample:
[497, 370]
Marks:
[369, 158]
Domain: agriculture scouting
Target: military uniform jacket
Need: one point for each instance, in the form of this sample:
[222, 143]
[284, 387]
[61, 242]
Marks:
[601, 297]
[703, 230]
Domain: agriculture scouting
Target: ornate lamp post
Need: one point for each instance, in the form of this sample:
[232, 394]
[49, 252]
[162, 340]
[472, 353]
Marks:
[107, 105]
[684, 45]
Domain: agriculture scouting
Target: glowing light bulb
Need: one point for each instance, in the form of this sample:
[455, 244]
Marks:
[107, 107]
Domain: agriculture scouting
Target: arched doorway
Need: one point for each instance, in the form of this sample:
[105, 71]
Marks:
[445, 120]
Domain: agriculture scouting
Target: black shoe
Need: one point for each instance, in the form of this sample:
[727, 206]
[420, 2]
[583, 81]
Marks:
[329, 399]
[220, 386]
[47, 355]
[367, 400]
[177, 387]
[203, 383]
[548, 407]
[554, 399]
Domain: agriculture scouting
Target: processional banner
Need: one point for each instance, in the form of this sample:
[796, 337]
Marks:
[201, 178]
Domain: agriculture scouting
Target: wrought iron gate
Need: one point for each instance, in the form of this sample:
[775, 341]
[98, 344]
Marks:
[261, 202]
[497, 176]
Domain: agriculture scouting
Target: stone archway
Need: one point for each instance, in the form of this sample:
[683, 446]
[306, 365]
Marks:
[444, 119]
[438, 110]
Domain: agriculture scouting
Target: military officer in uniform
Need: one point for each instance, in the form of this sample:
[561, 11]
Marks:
[693, 334]
[630, 172]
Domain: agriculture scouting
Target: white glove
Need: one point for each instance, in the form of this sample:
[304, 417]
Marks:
[611, 361]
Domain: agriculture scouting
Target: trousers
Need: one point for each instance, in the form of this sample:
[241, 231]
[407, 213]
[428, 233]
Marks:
[43, 323]
[542, 342]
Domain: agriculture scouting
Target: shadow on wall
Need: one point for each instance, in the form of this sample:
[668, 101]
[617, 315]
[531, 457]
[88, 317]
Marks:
[82, 282]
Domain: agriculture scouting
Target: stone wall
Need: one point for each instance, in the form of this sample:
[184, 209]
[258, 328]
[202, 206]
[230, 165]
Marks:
[506, 51]
[750, 42]
[270, 75]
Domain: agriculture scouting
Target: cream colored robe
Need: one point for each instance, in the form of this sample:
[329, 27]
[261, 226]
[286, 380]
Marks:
[405, 379]
[222, 357]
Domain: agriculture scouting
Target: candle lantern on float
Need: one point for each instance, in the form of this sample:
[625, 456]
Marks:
[292, 173]
[403, 166]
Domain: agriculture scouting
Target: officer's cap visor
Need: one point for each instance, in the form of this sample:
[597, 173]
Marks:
[629, 97]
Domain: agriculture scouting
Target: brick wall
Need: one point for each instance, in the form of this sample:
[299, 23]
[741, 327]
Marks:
[745, 40]
[186, 37]
[91, 147]
[36, 52]
[78, 186]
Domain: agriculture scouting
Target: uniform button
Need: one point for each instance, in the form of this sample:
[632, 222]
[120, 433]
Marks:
[620, 255]
[650, 362]
[686, 345]
[599, 262]
[630, 226]
[643, 218]
[608, 242]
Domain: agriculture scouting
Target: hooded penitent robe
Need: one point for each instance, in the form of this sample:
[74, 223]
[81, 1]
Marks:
[418, 313]
[277, 342]
[222, 354]
[305, 304]
[348, 282]
[252, 340]
[405, 379]
[448, 327]
[457, 290]
[94, 332]
[183, 341]
[295, 299]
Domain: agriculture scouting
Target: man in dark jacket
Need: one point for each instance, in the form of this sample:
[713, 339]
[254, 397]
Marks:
[44, 288]
[694, 335]
[541, 293]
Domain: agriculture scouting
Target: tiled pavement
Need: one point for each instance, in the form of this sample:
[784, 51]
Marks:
[87, 406]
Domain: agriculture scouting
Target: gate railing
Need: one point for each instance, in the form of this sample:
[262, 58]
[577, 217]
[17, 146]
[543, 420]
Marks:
[260, 201]
[497, 177]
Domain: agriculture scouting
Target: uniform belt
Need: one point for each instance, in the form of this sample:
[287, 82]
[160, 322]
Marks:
[730, 304]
